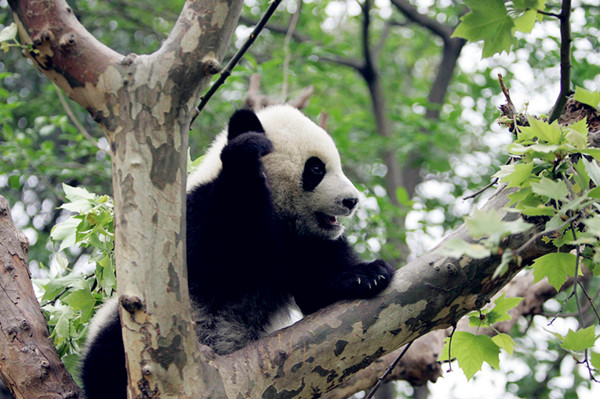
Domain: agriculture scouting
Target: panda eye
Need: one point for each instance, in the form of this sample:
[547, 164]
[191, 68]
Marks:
[317, 170]
[314, 172]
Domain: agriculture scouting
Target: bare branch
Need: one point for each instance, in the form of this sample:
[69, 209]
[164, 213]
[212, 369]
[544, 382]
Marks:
[75, 121]
[429, 23]
[236, 57]
[565, 61]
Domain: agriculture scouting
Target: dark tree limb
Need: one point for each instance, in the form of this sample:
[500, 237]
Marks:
[565, 61]
[29, 364]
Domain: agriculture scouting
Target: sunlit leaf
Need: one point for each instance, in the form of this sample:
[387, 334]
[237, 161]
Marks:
[591, 98]
[505, 342]
[487, 21]
[456, 248]
[556, 266]
[553, 189]
[471, 351]
[8, 33]
[580, 340]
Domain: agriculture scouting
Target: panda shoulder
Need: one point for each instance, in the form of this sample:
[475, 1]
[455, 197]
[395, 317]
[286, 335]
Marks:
[104, 316]
[210, 166]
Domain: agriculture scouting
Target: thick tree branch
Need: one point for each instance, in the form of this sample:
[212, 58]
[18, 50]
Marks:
[61, 46]
[29, 364]
[144, 105]
[326, 348]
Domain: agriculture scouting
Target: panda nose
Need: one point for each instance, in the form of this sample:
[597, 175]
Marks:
[350, 203]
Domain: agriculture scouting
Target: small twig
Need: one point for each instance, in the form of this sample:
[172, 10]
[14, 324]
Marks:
[558, 314]
[475, 194]
[538, 235]
[235, 59]
[75, 121]
[450, 348]
[590, 300]
[550, 14]
[511, 106]
[388, 371]
[565, 61]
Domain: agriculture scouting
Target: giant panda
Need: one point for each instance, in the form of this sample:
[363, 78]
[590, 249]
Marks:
[262, 233]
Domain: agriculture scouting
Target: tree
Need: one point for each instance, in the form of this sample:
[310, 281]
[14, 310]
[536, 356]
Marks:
[398, 305]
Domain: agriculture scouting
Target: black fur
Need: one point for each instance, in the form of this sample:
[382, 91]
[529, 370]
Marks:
[245, 262]
[314, 171]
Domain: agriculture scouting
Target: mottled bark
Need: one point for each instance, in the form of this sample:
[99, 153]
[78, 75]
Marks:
[144, 104]
[29, 363]
[325, 349]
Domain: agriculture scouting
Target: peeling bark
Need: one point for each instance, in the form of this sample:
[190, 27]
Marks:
[144, 104]
[29, 364]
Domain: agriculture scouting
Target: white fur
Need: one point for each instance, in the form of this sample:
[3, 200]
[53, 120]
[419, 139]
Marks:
[295, 139]
[104, 315]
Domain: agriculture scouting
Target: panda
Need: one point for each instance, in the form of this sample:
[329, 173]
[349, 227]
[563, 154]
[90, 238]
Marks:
[263, 232]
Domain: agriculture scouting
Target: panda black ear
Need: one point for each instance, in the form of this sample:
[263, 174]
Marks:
[244, 121]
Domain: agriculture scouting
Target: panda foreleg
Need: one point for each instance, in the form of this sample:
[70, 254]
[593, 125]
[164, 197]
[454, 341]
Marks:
[103, 370]
[364, 280]
[337, 273]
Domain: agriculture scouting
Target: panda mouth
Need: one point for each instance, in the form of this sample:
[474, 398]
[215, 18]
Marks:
[327, 221]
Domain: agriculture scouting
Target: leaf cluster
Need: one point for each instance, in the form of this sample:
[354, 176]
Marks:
[495, 22]
[70, 301]
[557, 176]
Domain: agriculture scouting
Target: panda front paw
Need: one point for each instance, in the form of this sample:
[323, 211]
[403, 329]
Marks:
[245, 147]
[369, 279]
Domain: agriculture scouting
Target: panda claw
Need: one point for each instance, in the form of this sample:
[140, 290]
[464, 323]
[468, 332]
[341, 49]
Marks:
[358, 280]
[375, 282]
[369, 285]
[381, 277]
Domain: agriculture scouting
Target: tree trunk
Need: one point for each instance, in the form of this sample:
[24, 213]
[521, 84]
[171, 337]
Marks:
[29, 364]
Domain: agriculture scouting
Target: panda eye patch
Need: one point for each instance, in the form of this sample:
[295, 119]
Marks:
[314, 171]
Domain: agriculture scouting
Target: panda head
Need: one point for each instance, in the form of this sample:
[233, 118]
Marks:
[304, 171]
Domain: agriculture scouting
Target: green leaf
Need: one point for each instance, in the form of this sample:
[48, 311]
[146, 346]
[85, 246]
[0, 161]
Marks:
[556, 266]
[595, 359]
[14, 181]
[580, 340]
[529, 4]
[80, 299]
[63, 322]
[594, 152]
[515, 174]
[556, 190]
[487, 21]
[551, 134]
[593, 225]
[592, 170]
[505, 342]
[65, 232]
[591, 98]
[9, 33]
[524, 23]
[489, 224]
[77, 193]
[471, 351]
[456, 248]
[502, 306]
